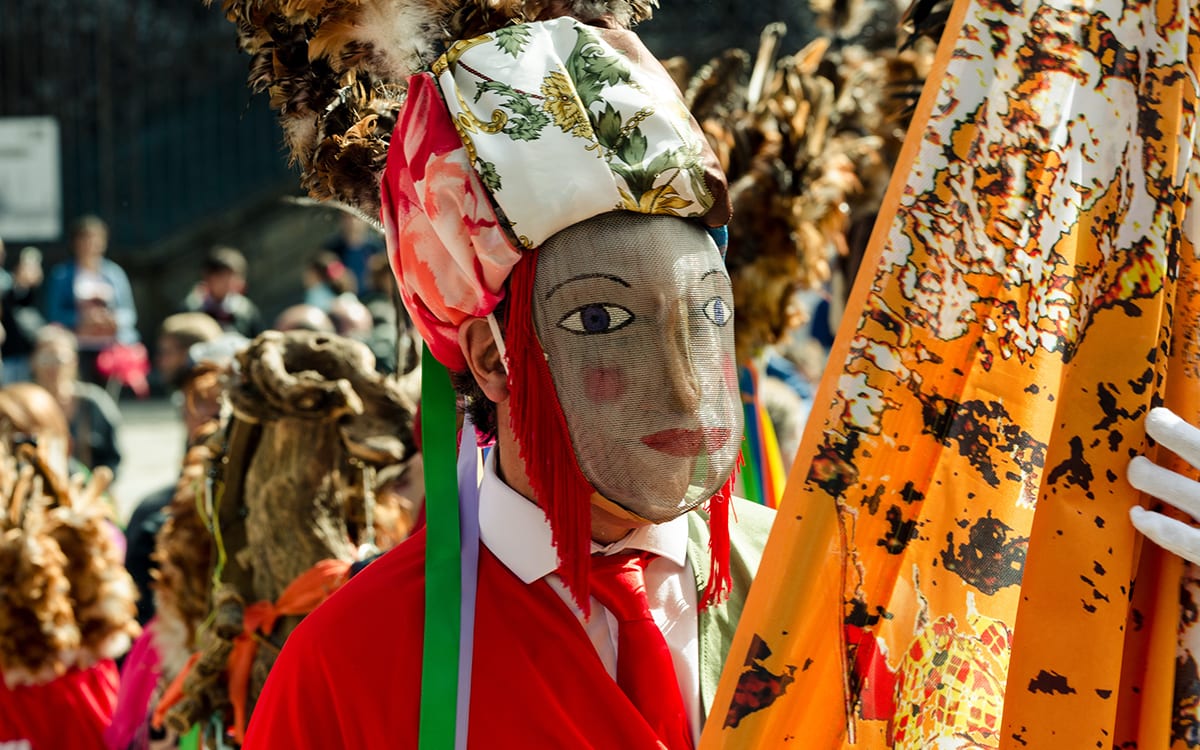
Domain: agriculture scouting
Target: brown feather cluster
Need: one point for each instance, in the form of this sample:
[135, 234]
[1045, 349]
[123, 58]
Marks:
[925, 19]
[808, 142]
[879, 71]
[791, 166]
[66, 599]
[102, 591]
[184, 544]
[336, 71]
[183, 551]
[38, 633]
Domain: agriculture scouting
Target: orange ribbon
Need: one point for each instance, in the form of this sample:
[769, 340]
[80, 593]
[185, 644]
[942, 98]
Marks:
[302, 596]
[174, 692]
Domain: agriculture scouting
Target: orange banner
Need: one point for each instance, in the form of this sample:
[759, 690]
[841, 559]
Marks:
[953, 565]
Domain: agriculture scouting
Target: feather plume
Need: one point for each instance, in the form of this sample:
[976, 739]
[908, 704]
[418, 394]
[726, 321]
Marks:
[790, 158]
[39, 636]
[925, 19]
[66, 599]
[878, 74]
[808, 141]
[183, 551]
[184, 547]
[102, 592]
[717, 89]
[336, 71]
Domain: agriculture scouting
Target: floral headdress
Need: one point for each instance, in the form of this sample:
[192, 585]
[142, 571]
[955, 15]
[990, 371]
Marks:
[518, 134]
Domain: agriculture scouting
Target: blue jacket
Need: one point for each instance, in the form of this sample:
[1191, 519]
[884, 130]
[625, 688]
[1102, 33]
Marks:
[59, 298]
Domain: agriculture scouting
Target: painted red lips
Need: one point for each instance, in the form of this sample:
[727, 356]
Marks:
[687, 443]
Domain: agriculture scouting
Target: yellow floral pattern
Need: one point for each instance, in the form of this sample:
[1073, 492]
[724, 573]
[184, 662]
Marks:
[564, 106]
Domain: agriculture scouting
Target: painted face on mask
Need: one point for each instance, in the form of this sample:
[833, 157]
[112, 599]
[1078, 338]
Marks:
[635, 314]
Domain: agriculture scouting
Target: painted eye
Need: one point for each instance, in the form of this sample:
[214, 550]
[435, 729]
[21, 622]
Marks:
[718, 311]
[596, 318]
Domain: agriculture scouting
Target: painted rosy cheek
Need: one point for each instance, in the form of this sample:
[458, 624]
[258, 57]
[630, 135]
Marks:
[604, 384]
[729, 370]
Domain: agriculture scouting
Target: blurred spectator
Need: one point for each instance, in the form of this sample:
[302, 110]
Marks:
[32, 413]
[304, 318]
[350, 317]
[380, 290]
[824, 323]
[91, 295]
[220, 293]
[20, 315]
[177, 335]
[389, 321]
[325, 278]
[788, 413]
[91, 413]
[354, 245]
[390, 338]
[353, 319]
[785, 370]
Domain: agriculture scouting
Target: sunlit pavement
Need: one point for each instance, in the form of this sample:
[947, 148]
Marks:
[151, 439]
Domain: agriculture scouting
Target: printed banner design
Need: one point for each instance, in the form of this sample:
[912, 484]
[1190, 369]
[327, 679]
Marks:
[953, 565]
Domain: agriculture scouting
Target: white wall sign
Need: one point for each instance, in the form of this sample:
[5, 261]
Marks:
[30, 179]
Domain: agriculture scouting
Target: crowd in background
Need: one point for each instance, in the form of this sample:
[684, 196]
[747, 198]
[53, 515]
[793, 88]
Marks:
[73, 328]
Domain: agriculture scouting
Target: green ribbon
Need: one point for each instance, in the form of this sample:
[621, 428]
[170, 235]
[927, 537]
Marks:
[753, 463]
[191, 740]
[443, 558]
[751, 483]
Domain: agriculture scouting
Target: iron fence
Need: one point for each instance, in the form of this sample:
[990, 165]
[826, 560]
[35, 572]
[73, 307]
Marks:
[157, 127]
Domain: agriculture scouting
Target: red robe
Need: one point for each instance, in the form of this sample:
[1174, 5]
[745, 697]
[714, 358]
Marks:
[345, 681]
[70, 712]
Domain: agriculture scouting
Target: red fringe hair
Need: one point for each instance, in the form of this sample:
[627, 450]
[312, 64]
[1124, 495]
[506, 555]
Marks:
[720, 577]
[544, 442]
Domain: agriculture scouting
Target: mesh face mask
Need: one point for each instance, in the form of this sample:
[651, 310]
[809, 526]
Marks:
[634, 313]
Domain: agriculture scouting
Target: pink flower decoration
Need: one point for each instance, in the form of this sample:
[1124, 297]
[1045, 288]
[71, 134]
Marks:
[448, 250]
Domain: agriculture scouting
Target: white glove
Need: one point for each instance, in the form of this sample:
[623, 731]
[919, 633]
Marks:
[1174, 489]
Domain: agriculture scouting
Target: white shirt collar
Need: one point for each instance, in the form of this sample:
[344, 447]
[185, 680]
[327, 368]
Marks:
[517, 532]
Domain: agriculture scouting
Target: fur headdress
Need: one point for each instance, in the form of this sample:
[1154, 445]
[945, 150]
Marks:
[65, 598]
[336, 70]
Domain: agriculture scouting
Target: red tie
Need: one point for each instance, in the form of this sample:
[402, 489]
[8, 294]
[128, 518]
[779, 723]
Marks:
[644, 667]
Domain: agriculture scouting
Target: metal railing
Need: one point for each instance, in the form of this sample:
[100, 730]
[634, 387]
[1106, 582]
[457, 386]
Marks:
[158, 129]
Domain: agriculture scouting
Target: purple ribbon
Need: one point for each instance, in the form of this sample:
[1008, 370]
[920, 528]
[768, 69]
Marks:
[468, 503]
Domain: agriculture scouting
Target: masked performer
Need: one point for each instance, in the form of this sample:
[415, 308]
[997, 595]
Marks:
[553, 215]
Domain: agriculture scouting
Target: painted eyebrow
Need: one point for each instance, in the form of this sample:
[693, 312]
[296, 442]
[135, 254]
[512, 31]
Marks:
[583, 276]
[710, 272]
